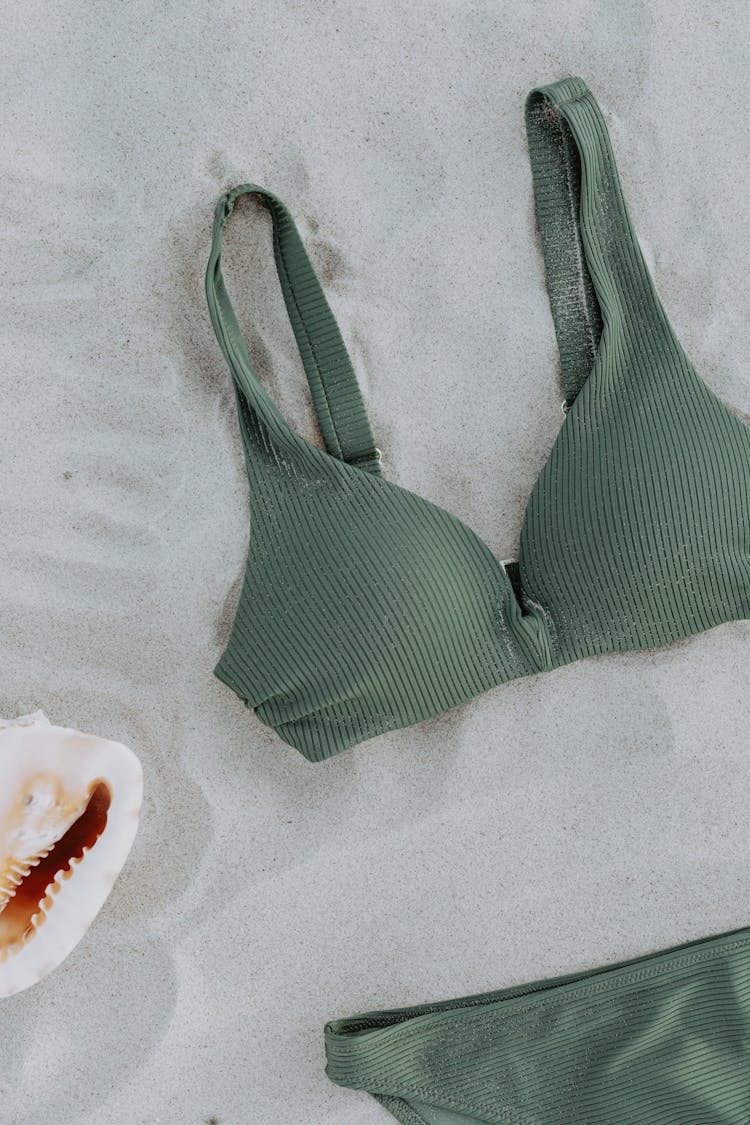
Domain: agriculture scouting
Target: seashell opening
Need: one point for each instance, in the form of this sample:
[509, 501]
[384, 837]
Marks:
[69, 809]
[29, 882]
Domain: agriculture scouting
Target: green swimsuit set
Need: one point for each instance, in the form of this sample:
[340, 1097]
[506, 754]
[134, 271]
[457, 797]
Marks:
[636, 534]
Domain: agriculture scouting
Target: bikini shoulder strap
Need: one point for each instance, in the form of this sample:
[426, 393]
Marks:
[594, 264]
[335, 392]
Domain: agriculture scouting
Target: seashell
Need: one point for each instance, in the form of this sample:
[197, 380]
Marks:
[69, 808]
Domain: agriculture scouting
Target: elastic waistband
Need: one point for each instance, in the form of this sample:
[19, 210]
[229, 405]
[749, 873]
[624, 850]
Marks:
[568, 89]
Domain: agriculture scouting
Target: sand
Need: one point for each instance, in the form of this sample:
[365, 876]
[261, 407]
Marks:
[557, 823]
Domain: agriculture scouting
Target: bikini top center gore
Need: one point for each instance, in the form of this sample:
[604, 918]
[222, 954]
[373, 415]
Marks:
[366, 608]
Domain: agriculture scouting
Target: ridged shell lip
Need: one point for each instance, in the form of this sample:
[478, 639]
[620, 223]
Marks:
[69, 809]
[29, 886]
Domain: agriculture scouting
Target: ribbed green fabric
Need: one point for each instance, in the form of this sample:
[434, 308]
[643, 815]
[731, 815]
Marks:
[659, 1040]
[365, 608]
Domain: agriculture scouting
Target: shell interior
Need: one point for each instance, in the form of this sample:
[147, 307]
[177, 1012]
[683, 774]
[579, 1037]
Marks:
[69, 810]
[28, 884]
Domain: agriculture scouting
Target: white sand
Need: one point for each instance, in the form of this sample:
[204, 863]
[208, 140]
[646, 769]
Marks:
[585, 816]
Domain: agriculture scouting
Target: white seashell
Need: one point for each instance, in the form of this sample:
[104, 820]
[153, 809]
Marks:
[69, 808]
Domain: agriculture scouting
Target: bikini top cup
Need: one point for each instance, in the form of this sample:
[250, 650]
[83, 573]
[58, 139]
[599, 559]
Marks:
[366, 608]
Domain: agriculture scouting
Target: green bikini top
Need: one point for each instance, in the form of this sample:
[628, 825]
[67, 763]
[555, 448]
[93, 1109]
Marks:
[366, 608]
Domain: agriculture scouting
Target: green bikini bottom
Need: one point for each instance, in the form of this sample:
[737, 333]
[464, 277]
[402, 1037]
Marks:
[659, 1040]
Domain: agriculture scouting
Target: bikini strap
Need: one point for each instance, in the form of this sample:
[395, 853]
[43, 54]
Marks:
[335, 392]
[594, 265]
